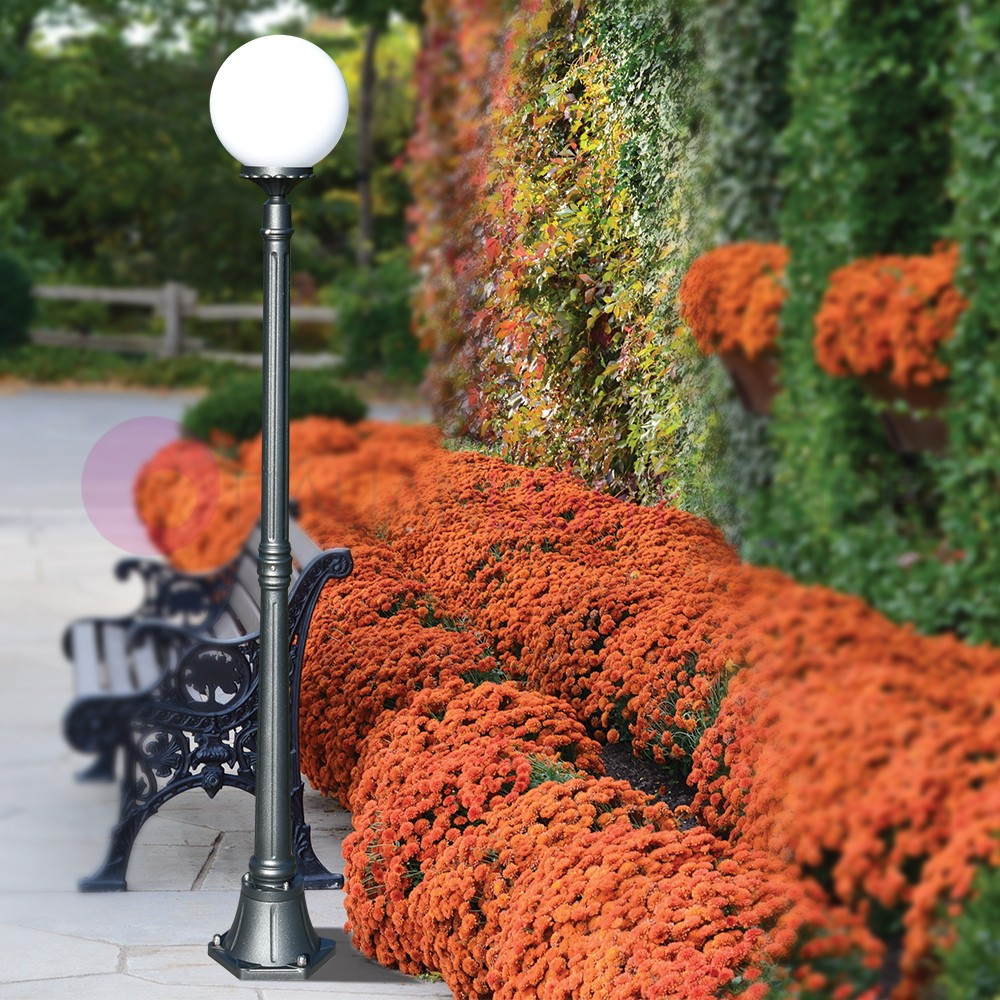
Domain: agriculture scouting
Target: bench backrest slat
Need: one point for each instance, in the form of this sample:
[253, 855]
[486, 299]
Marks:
[225, 626]
[246, 571]
[304, 549]
[246, 604]
[145, 666]
[116, 658]
[89, 676]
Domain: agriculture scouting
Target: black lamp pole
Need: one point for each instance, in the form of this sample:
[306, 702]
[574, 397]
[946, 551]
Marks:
[272, 937]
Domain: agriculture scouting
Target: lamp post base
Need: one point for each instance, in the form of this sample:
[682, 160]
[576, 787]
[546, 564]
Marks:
[272, 937]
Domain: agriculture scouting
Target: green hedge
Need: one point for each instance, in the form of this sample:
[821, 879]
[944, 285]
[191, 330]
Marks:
[969, 475]
[867, 153]
[747, 51]
[235, 407]
[17, 306]
[971, 968]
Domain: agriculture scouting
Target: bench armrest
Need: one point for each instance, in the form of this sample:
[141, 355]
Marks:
[194, 598]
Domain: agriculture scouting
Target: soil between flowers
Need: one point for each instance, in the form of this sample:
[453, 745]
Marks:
[648, 777]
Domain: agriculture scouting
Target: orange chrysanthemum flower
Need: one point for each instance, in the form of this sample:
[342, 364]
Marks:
[731, 298]
[890, 314]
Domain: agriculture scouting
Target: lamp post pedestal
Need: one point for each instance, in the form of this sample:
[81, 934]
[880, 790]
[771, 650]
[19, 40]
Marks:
[272, 937]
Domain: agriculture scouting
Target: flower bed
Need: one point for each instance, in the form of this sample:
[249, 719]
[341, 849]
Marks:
[845, 768]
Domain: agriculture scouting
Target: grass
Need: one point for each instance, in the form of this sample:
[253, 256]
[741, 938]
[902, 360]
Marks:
[39, 363]
[46, 365]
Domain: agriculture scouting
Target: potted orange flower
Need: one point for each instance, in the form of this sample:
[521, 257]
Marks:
[730, 300]
[883, 319]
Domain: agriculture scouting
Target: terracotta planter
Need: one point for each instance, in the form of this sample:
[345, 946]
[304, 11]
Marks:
[755, 380]
[909, 434]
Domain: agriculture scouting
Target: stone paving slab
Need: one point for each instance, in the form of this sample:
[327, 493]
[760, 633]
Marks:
[149, 942]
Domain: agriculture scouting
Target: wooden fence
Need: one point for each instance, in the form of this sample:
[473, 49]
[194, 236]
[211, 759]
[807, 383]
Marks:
[173, 301]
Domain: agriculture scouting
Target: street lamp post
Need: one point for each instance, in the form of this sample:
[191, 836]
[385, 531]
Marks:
[276, 101]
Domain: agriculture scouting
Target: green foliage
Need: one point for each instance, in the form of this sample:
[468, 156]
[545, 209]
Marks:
[376, 11]
[970, 471]
[373, 320]
[673, 393]
[234, 408]
[37, 363]
[867, 150]
[492, 676]
[546, 769]
[17, 306]
[747, 49]
[971, 968]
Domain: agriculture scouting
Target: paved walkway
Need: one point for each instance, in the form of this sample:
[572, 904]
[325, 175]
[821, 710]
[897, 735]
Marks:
[150, 942]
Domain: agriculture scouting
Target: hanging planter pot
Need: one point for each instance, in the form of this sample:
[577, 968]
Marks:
[754, 379]
[920, 426]
[731, 299]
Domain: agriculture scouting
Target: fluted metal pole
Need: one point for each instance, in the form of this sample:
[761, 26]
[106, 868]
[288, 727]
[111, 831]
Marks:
[272, 936]
[272, 863]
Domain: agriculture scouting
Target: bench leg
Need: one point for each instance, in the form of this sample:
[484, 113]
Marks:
[103, 769]
[314, 873]
[110, 877]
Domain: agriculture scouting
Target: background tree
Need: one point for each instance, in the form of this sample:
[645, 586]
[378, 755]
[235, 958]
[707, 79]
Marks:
[111, 172]
[374, 16]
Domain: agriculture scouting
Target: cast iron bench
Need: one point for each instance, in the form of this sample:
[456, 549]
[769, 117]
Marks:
[172, 689]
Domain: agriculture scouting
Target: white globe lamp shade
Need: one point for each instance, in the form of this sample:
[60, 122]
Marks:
[280, 102]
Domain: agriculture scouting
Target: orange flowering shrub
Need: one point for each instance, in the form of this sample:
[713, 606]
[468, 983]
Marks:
[646, 911]
[468, 851]
[353, 674]
[451, 713]
[435, 794]
[196, 504]
[337, 472]
[467, 887]
[431, 769]
[845, 762]
[731, 297]
[861, 751]
[890, 314]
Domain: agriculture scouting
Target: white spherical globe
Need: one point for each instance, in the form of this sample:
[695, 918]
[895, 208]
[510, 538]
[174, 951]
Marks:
[279, 101]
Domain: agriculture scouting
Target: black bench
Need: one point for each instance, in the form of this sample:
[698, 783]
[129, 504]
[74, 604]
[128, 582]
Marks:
[172, 690]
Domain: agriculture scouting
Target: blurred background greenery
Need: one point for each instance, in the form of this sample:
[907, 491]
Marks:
[112, 175]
